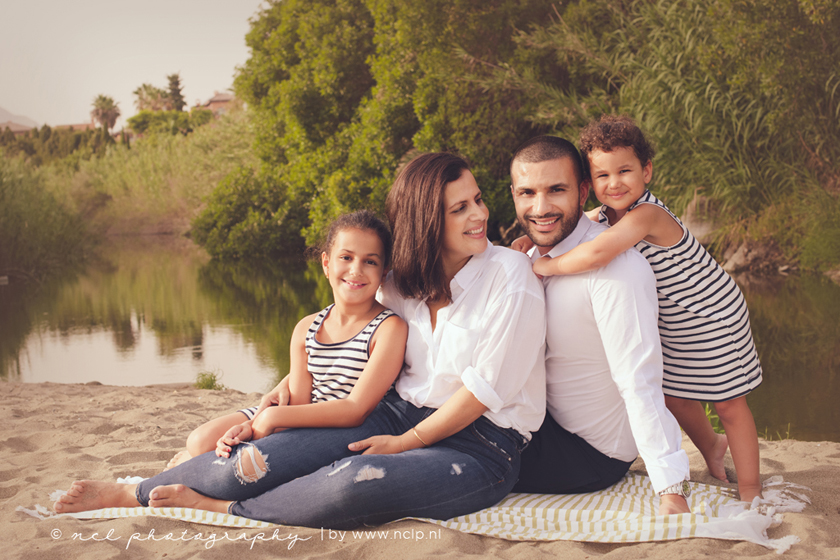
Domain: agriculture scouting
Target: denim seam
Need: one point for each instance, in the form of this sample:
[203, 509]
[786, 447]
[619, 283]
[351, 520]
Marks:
[490, 444]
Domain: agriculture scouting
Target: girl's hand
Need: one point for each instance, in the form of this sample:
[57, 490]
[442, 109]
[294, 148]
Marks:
[522, 244]
[234, 436]
[378, 445]
[279, 396]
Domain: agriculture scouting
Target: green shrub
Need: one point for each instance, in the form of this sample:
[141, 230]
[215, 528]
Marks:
[209, 380]
[38, 234]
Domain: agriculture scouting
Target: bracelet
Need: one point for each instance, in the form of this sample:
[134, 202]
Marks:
[418, 437]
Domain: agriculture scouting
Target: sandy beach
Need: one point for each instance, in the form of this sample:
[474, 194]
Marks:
[56, 433]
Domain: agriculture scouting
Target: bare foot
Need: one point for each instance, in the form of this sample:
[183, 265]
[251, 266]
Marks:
[180, 457]
[86, 495]
[178, 495]
[748, 493]
[715, 459]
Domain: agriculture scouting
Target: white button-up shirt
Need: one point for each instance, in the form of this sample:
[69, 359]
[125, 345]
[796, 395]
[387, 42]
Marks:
[490, 339]
[604, 361]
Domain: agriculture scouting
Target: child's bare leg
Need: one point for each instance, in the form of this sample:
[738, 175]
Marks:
[204, 438]
[178, 495]
[180, 457]
[692, 418]
[743, 444]
[86, 495]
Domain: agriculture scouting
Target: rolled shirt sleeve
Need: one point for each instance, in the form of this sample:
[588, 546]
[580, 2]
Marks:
[489, 339]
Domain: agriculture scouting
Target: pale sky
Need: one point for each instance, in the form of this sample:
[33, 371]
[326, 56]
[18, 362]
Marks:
[56, 56]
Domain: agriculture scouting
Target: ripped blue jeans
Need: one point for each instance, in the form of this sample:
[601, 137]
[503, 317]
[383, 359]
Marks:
[283, 479]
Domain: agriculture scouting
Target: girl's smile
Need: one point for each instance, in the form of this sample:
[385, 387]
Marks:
[354, 266]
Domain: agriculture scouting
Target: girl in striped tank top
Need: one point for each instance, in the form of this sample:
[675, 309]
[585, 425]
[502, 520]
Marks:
[704, 325]
[343, 359]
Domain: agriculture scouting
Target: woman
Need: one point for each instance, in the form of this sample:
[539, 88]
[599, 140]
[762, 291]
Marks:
[447, 440]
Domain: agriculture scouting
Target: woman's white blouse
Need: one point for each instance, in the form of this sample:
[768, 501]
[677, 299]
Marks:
[490, 338]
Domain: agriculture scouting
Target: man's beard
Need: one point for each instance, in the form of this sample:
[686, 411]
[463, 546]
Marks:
[568, 223]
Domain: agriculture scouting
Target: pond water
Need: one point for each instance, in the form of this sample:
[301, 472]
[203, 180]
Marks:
[158, 310]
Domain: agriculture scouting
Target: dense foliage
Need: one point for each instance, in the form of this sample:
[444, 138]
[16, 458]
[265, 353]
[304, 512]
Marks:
[742, 98]
[343, 90]
[39, 234]
[168, 122]
[40, 146]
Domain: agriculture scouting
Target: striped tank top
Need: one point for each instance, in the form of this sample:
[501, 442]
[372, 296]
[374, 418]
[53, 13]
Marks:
[707, 344]
[335, 368]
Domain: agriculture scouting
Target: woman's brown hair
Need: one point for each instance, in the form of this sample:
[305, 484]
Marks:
[416, 216]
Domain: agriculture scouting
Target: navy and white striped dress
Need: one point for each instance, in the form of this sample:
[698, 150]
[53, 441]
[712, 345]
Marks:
[335, 367]
[704, 324]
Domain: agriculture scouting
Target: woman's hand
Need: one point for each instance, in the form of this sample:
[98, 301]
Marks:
[379, 445]
[234, 436]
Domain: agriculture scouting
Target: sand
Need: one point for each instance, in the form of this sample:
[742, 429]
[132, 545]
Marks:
[55, 433]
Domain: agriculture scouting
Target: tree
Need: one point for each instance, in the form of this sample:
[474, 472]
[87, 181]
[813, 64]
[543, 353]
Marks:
[105, 111]
[151, 98]
[176, 99]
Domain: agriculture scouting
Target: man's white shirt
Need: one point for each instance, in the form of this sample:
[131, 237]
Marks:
[604, 361]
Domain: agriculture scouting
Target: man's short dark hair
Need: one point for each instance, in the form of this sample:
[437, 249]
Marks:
[547, 148]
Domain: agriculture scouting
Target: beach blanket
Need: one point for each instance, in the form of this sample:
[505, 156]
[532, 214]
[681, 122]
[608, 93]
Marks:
[624, 513]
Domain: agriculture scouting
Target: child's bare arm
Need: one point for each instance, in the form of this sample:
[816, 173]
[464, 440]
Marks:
[293, 388]
[385, 363]
[631, 229]
[594, 214]
[300, 380]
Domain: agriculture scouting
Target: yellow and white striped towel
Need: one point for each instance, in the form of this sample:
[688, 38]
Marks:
[623, 513]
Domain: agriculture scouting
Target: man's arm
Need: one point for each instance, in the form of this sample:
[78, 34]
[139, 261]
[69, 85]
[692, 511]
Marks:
[626, 309]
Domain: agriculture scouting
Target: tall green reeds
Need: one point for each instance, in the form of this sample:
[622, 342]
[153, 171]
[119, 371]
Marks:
[159, 183]
[742, 100]
[38, 234]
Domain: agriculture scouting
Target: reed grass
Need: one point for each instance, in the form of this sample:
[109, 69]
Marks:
[158, 184]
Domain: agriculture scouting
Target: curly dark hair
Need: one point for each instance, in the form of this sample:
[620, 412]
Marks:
[611, 132]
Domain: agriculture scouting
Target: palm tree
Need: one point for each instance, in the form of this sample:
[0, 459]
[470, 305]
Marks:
[151, 98]
[105, 111]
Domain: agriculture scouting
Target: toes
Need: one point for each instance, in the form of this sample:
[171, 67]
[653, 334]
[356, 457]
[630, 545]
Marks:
[163, 495]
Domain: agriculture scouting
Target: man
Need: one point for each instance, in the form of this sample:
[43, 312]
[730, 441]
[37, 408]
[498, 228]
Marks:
[603, 355]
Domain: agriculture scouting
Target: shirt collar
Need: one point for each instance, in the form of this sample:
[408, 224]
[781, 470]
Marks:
[570, 242]
[466, 276]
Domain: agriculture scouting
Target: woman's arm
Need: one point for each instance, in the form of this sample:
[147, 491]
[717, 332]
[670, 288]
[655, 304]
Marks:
[503, 366]
[382, 368]
[458, 412]
[646, 222]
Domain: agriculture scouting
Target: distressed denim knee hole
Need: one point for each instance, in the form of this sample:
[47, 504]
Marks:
[250, 465]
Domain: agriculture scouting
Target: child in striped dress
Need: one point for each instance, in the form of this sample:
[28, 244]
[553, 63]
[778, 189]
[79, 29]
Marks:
[343, 359]
[707, 344]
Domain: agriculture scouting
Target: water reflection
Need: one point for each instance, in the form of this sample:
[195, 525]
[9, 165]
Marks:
[797, 333]
[157, 310]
